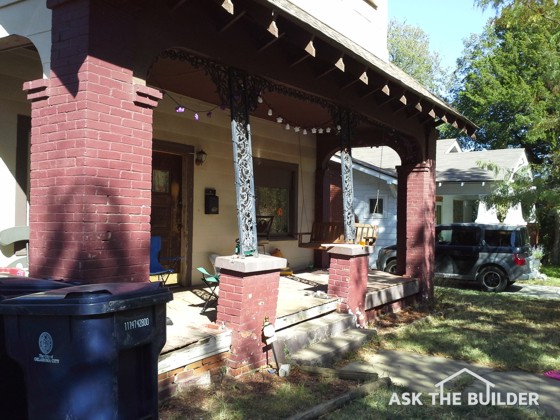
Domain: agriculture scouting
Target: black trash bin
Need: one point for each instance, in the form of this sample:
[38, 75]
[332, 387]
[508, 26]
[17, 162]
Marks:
[91, 351]
[13, 401]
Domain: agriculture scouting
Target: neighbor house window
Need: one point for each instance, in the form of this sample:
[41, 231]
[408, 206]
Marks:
[276, 195]
[438, 214]
[376, 206]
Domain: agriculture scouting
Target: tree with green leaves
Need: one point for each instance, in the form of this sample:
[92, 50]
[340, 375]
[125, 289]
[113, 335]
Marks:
[409, 49]
[508, 82]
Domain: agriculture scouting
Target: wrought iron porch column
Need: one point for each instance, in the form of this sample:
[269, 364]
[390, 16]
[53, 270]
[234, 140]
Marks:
[241, 93]
[346, 123]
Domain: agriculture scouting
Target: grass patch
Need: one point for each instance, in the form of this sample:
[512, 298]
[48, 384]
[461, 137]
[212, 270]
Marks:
[553, 274]
[259, 395]
[499, 330]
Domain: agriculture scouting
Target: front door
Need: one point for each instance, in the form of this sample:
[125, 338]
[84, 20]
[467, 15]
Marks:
[167, 205]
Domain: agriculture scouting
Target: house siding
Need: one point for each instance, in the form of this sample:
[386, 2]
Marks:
[366, 187]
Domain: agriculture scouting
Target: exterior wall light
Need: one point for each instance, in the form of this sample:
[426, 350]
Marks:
[200, 157]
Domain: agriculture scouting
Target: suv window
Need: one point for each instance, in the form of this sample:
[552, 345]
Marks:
[443, 236]
[465, 236]
[522, 237]
[502, 237]
[498, 237]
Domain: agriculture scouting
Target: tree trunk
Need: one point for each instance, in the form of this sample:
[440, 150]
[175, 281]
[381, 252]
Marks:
[555, 257]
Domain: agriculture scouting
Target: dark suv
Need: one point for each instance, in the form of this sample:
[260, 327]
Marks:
[493, 255]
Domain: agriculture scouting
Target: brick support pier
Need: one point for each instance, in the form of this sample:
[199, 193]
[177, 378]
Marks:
[348, 276]
[416, 225]
[91, 153]
[248, 295]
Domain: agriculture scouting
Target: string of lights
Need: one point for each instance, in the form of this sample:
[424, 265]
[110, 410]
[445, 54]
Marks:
[324, 127]
[180, 108]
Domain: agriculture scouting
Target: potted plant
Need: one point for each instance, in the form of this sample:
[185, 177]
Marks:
[537, 253]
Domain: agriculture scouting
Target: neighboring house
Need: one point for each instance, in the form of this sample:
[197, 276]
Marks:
[460, 185]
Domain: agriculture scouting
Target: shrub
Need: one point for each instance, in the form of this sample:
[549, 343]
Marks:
[538, 252]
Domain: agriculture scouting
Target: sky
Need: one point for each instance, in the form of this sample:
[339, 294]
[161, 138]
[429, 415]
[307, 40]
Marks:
[447, 23]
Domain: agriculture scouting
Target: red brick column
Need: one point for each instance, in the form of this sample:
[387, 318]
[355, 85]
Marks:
[416, 224]
[248, 295]
[91, 148]
[348, 276]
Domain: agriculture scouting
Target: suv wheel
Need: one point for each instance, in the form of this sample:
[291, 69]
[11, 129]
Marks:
[492, 279]
[391, 267]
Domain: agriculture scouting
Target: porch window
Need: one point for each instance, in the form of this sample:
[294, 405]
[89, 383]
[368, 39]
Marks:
[276, 195]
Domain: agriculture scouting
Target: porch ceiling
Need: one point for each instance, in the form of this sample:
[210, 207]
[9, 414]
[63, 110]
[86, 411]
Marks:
[182, 77]
[306, 55]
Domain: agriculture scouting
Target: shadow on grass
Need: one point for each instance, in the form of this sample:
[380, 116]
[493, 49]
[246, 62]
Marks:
[504, 331]
[258, 395]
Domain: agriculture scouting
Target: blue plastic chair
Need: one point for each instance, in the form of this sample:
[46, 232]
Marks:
[156, 267]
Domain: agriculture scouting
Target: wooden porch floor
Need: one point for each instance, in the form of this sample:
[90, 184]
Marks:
[193, 335]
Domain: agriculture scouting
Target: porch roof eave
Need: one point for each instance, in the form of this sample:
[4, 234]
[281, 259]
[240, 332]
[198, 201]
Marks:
[383, 68]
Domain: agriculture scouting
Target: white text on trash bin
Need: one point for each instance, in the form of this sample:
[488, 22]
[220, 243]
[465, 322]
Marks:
[136, 323]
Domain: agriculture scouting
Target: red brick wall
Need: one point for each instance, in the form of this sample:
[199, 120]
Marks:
[245, 301]
[348, 280]
[202, 372]
[416, 224]
[91, 146]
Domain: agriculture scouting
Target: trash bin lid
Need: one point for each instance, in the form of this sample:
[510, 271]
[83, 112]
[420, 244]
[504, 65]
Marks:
[12, 286]
[88, 299]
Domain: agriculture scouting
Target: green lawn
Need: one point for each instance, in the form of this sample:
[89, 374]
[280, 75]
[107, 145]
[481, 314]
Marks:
[553, 274]
[500, 330]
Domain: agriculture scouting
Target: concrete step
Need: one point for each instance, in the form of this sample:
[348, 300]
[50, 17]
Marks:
[328, 351]
[294, 338]
[291, 339]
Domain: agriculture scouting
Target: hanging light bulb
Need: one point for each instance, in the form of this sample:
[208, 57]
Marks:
[287, 126]
[196, 116]
[314, 130]
[328, 129]
[279, 120]
[304, 132]
[296, 129]
[269, 112]
[320, 131]
[180, 109]
[260, 99]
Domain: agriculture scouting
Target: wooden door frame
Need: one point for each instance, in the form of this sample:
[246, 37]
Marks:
[187, 153]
